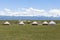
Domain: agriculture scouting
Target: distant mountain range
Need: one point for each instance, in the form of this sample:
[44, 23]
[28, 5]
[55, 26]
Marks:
[28, 18]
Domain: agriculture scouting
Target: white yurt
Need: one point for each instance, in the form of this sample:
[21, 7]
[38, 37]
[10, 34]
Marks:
[21, 23]
[52, 23]
[6, 23]
[45, 23]
[34, 23]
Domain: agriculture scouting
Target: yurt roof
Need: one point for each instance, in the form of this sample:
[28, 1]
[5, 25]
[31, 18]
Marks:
[6, 22]
[29, 21]
[21, 22]
[52, 22]
[45, 22]
[34, 22]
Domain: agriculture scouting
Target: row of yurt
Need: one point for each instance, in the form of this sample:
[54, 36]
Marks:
[44, 23]
[8, 23]
[50, 23]
[34, 23]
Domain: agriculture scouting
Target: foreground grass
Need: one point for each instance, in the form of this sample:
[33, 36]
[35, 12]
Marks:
[29, 32]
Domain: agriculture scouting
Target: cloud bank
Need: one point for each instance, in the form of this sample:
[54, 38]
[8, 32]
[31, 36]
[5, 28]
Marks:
[30, 12]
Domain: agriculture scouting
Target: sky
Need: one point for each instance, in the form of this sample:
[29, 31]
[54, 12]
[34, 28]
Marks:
[46, 8]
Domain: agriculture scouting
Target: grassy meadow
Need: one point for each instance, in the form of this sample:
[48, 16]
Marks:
[28, 31]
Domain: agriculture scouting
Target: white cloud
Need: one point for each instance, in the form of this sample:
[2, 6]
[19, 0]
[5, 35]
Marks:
[30, 12]
[54, 12]
[7, 9]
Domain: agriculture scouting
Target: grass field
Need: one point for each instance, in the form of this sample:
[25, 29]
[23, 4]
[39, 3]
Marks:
[29, 32]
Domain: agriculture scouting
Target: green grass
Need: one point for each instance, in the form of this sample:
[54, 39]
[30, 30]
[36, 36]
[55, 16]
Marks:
[29, 32]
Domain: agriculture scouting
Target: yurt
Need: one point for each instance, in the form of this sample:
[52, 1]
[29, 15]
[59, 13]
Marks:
[21, 23]
[52, 23]
[6, 23]
[45, 23]
[28, 21]
[34, 23]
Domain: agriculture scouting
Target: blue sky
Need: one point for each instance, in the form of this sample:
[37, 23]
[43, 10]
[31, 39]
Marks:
[45, 8]
[40, 4]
